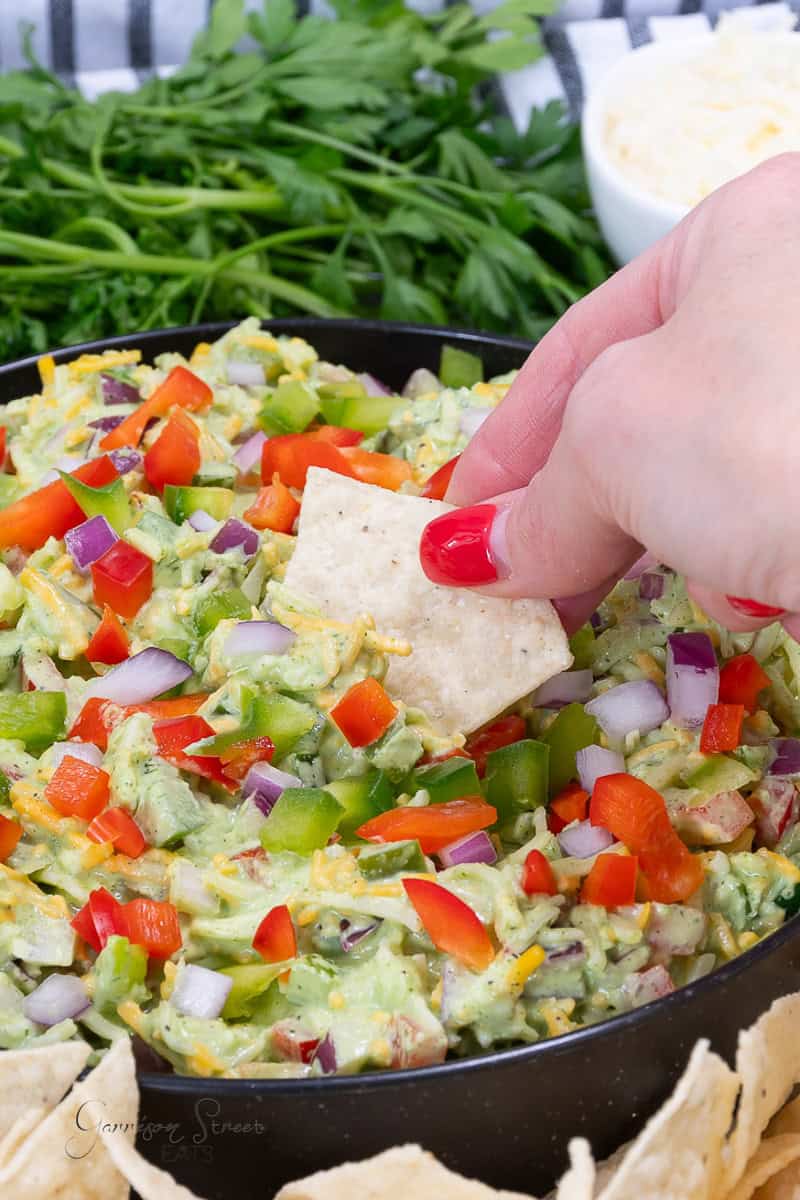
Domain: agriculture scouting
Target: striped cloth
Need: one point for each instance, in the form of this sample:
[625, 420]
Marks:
[106, 45]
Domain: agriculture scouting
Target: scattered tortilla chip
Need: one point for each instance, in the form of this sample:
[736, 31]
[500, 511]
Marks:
[577, 1183]
[150, 1182]
[783, 1186]
[64, 1158]
[21, 1128]
[472, 656]
[678, 1154]
[770, 1159]
[768, 1065]
[403, 1173]
[787, 1120]
[37, 1078]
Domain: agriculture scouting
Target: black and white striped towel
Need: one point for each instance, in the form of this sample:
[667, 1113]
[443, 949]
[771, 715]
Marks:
[113, 44]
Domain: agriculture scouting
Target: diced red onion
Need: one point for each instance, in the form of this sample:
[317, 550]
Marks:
[642, 564]
[786, 761]
[651, 585]
[692, 677]
[350, 935]
[565, 688]
[628, 706]
[472, 848]
[146, 675]
[116, 391]
[584, 840]
[325, 1055]
[55, 1000]
[264, 783]
[125, 460]
[88, 541]
[595, 761]
[200, 992]
[571, 952]
[776, 805]
[235, 533]
[84, 750]
[675, 929]
[421, 381]
[258, 637]
[373, 386]
[106, 424]
[471, 420]
[644, 986]
[245, 374]
[248, 455]
[201, 521]
[596, 621]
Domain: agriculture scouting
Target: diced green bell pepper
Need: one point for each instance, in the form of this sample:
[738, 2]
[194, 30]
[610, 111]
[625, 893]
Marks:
[447, 780]
[250, 981]
[221, 606]
[119, 974]
[302, 820]
[393, 858]
[361, 798]
[5, 788]
[572, 730]
[720, 774]
[289, 409]
[348, 404]
[277, 717]
[181, 502]
[459, 369]
[35, 718]
[516, 777]
[110, 501]
[582, 646]
[215, 474]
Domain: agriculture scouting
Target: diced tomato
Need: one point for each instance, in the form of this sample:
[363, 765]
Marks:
[181, 387]
[291, 454]
[51, 511]
[293, 1043]
[78, 789]
[337, 435]
[174, 734]
[83, 925]
[364, 712]
[611, 881]
[741, 680]
[101, 917]
[274, 508]
[122, 578]
[722, 728]
[414, 1045]
[241, 756]
[439, 482]
[427, 759]
[98, 717]
[174, 456]
[433, 826]
[503, 732]
[109, 643]
[118, 826]
[537, 875]
[10, 833]
[569, 805]
[383, 470]
[451, 924]
[275, 939]
[154, 925]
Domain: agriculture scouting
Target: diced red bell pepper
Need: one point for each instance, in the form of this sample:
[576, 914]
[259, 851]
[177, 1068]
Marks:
[2, 446]
[275, 939]
[364, 712]
[101, 917]
[433, 826]
[181, 387]
[10, 833]
[503, 732]
[122, 578]
[383, 470]
[291, 454]
[154, 925]
[722, 728]
[611, 881]
[337, 435]
[274, 508]
[109, 643]
[175, 733]
[241, 756]
[569, 805]
[741, 680]
[51, 511]
[670, 873]
[174, 456]
[439, 482]
[537, 876]
[451, 924]
[292, 1043]
[78, 789]
[98, 717]
[118, 826]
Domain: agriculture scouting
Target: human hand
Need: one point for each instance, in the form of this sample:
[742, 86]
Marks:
[661, 412]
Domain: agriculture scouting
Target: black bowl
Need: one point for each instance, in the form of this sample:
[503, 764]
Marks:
[504, 1117]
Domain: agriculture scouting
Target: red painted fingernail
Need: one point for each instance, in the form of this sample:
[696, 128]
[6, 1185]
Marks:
[753, 608]
[459, 549]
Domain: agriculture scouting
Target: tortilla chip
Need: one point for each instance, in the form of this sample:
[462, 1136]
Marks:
[357, 552]
[37, 1078]
[18, 1132]
[678, 1154]
[64, 1158]
[151, 1183]
[769, 1161]
[403, 1173]
[768, 1064]
[787, 1120]
[577, 1183]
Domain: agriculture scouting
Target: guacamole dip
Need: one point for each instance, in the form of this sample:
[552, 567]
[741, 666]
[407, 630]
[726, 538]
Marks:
[220, 831]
